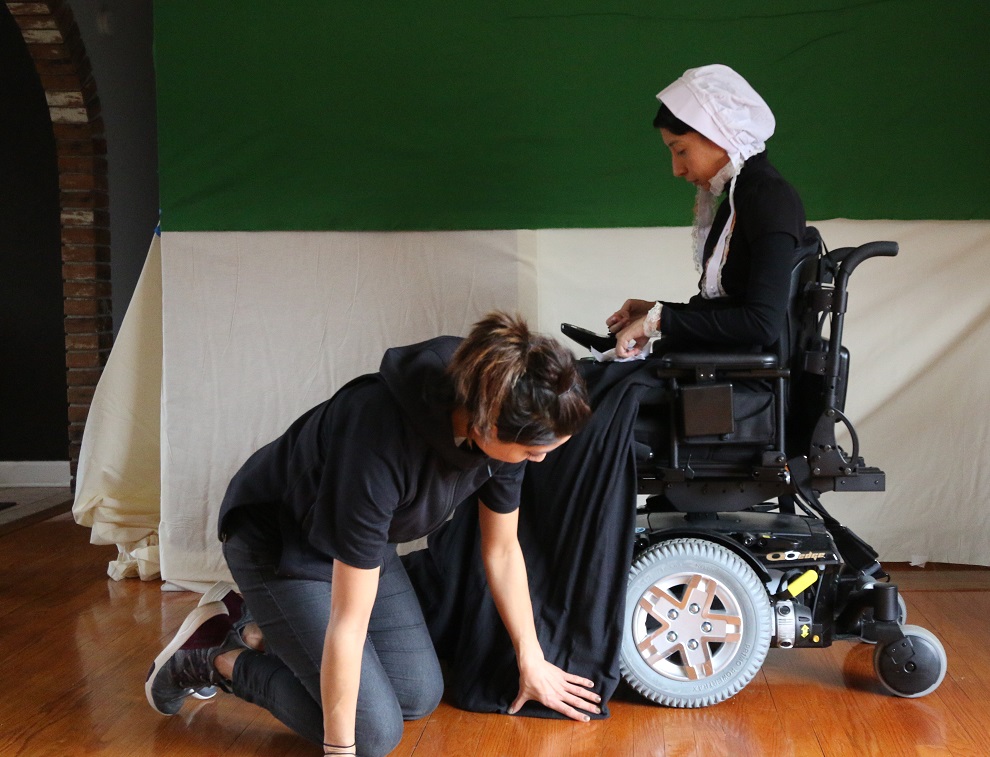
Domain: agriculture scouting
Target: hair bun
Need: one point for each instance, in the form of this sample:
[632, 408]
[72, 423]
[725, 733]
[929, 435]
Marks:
[507, 377]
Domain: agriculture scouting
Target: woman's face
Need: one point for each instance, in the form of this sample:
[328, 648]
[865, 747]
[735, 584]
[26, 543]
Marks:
[514, 452]
[694, 157]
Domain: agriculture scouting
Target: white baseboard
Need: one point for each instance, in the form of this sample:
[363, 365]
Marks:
[35, 473]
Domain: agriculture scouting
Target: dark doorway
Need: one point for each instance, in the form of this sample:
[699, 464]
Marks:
[33, 406]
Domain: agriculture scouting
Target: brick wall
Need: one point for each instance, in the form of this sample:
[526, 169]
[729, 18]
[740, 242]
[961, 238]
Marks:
[53, 40]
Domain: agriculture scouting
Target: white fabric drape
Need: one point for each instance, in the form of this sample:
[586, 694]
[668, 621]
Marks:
[259, 327]
[117, 482]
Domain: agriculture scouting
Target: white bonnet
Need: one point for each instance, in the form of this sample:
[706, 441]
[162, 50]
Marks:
[721, 105]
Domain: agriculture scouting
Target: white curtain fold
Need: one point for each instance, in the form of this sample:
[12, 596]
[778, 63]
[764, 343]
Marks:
[118, 492]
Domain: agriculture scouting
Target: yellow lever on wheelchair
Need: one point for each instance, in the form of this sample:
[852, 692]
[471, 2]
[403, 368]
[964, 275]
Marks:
[802, 582]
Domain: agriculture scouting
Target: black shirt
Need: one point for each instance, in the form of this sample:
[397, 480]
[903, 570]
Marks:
[373, 465]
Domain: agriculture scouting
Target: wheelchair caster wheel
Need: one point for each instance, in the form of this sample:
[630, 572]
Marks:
[901, 618]
[913, 666]
[696, 626]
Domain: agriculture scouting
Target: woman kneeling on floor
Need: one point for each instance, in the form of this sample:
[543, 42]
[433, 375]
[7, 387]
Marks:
[310, 522]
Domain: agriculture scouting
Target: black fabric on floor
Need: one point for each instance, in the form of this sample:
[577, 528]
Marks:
[576, 526]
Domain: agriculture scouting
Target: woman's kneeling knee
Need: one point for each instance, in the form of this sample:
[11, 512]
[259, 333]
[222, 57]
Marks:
[427, 699]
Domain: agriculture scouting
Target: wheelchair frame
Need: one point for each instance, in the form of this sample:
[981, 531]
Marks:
[734, 551]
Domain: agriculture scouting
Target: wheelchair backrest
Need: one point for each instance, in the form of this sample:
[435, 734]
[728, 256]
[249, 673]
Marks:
[802, 345]
[804, 273]
[819, 363]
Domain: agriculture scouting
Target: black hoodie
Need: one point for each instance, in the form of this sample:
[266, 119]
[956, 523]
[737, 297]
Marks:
[376, 464]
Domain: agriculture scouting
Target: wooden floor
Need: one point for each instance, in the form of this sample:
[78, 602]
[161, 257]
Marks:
[75, 647]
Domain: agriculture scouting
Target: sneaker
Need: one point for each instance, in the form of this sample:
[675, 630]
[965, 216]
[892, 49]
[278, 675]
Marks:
[185, 666]
[215, 593]
[237, 609]
[239, 614]
[224, 592]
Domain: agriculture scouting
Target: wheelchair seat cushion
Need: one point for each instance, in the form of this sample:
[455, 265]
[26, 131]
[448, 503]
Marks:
[741, 361]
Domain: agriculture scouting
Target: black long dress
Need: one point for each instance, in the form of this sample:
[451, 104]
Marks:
[576, 524]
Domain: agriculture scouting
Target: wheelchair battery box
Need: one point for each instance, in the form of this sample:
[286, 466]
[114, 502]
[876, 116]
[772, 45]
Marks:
[707, 410]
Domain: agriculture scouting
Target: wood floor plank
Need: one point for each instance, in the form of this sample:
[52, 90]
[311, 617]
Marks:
[893, 725]
[639, 730]
[539, 737]
[450, 729]
[75, 647]
[412, 733]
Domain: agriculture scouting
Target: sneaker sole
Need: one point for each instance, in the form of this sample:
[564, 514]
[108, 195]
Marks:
[190, 625]
[216, 593]
[205, 694]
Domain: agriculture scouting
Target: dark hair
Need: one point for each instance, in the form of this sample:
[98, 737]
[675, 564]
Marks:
[525, 386]
[665, 119]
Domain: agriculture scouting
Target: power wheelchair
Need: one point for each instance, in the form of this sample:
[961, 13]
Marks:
[734, 552]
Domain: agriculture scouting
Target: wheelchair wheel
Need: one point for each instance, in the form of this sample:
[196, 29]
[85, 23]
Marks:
[901, 617]
[913, 666]
[697, 624]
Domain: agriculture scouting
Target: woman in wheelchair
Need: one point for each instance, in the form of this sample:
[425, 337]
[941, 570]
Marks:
[716, 126]
[734, 551]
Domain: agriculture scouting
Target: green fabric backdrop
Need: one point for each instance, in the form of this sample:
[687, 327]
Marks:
[431, 114]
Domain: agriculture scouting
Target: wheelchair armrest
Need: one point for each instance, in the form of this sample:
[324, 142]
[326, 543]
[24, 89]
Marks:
[731, 361]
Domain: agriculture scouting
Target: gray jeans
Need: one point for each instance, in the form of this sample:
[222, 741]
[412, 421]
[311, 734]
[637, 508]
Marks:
[400, 674]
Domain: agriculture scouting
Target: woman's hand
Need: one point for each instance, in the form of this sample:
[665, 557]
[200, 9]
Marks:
[630, 310]
[506, 570]
[632, 337]
[544, 682]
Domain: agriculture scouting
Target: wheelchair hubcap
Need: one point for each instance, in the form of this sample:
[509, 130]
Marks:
[687, 626]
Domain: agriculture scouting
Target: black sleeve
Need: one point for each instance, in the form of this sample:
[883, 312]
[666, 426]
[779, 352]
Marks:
[756, 318]
[501, 492]
[366, 493]
[358, 484]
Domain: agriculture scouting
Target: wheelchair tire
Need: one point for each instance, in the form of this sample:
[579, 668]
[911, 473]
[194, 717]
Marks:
[913, 666]
[696, 626]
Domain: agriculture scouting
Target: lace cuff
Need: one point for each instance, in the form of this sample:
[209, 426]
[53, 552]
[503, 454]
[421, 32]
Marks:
[651, 326]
